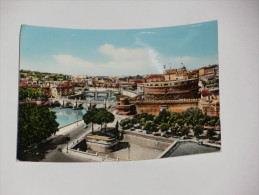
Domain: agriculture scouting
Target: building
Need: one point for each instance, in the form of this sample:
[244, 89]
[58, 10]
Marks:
[209, 72]
[173, 84]
[125, 108]
[140, 89]
[175, 90]
[155, 78]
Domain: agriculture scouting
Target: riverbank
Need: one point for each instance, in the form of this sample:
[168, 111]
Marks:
[70, 127]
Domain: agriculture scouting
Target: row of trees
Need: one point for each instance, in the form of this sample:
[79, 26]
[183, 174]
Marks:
[179, 123]
[41, 75]
[98, 116]
[31, 93]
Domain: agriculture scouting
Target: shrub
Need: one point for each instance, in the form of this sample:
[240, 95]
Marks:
[185, 130]
[210, 133]
[164, 126]
[150, 126]
[198, 130]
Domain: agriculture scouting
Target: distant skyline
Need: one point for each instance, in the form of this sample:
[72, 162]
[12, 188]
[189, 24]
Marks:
[118, 52]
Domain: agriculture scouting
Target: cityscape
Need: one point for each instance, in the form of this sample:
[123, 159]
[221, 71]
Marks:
[118, 95]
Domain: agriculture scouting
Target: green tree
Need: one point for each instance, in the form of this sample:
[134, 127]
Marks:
[185, 130]
[175, 129]
[210, 133]
[198, 130]
[117, 130]
[144, 117]
[89, 117]
[98, 116]
[163, 117]
[150, 126]
[213, 121]
[35, 123]
[103, 117]
[164, 126]
[124, 122]
[31, 93]
[193, 116]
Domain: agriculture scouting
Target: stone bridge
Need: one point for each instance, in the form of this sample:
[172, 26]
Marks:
[78, 103]
[97, 92]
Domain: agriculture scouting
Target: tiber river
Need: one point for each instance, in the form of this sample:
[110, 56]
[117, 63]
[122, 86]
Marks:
[66, 116]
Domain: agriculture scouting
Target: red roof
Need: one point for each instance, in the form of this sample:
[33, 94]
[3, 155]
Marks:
[29, 86]
[155, 76]
[205, 93]
[137, 81]
[192, 73]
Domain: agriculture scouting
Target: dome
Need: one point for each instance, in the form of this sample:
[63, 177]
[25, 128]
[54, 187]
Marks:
[182, 67]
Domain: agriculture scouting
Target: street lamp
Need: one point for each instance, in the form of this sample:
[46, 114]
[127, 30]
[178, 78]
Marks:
[77, 117]
[128, 151]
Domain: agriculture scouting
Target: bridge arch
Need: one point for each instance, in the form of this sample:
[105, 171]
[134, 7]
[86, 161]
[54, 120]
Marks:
[69, 104]
[56, 103]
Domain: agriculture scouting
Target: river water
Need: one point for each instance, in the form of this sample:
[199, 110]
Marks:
[67, 116]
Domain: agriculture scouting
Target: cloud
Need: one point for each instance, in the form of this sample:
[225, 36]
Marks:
[121, 61]
[122, 54]
[71, 60]
[68, 64]
[192, 62]
[131, 61]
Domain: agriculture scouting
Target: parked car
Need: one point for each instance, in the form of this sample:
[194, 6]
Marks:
[86, 125]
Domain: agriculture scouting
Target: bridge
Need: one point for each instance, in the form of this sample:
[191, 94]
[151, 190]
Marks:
[78, 103]
[97, 92]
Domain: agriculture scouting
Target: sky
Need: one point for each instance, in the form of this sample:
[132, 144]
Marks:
[118, 52]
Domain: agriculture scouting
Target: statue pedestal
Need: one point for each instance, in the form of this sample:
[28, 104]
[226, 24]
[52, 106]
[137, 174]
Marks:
[101, 144]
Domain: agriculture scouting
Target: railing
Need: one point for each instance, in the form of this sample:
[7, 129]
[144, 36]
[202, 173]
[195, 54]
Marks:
[82, 101]
[166, 101]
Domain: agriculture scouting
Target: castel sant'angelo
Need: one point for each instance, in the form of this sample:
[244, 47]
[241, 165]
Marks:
[175, 90]
[172, 85]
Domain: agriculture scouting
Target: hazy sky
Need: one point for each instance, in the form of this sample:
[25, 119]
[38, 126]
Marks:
[118, 52]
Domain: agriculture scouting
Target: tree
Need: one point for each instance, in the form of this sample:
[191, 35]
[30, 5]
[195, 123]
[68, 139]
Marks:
[144, 117]
[174, 117]
[35, 123]
[176, 129]
[185, 130]
[98, 116]
[124, 122]
[31, 93]
[193, 116]
[150, 126]
[89, 117]
[164, 126]
[213, 121]
[198, 130]
[103, 117]
[210, 133]
[162, 117]
[117, 130]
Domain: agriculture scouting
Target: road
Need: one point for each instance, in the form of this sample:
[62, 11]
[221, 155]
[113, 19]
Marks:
[76, 132]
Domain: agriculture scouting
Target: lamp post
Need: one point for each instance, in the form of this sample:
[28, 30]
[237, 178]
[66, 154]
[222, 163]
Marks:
[129, 152]
[77, 117]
